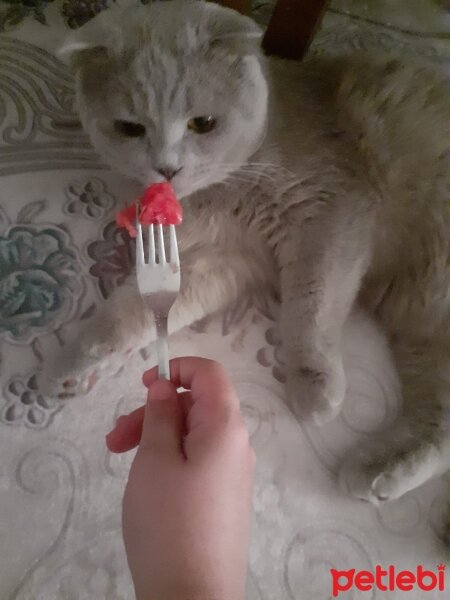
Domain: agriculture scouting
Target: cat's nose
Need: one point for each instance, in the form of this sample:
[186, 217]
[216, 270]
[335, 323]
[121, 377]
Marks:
[168, 172]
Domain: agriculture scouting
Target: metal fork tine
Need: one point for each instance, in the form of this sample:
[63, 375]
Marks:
[161, 249]
[140, 258]
[174, 257]
[151, 245]
[158, 283]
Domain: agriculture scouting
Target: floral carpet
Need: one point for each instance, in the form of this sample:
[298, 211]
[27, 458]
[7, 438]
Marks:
[60, 258]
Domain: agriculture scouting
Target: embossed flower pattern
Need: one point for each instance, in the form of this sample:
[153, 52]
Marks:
[39, 280]
[89, 198]
[24, 404]
[272, 355]
[114, 258]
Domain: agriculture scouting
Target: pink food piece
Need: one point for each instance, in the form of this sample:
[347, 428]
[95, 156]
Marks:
[127, 218]
[159, 206]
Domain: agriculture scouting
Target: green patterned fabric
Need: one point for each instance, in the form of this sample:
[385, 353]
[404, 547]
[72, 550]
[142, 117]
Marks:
[74, 12]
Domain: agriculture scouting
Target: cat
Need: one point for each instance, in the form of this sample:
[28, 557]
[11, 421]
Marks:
[324, 182]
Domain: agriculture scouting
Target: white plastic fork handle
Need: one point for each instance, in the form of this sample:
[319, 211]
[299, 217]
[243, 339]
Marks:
[162, 347]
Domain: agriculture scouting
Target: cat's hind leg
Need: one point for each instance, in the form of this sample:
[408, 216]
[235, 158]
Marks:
[417, 447]
[396, 464]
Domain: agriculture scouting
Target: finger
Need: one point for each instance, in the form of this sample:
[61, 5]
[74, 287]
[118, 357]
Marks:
[163, 420]
[182, 370]
[206, 379]
[127, 432]
[186, 402]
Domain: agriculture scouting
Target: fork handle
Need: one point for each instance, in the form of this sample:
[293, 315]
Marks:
[162, 347]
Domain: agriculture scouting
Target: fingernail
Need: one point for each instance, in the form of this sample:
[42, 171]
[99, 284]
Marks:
[119, 420]
[160, 390]
[117, 423]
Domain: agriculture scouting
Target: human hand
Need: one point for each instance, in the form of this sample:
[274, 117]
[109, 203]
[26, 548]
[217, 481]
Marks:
[186, 508]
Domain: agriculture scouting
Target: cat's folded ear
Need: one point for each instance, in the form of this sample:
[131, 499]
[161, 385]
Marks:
[92, 41]
[240, 44]
[235, 33]
[108, 32]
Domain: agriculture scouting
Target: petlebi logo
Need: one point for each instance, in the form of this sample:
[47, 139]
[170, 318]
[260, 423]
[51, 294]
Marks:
[386, 580]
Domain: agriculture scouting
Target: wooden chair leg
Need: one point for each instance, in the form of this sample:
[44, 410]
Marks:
[292, 27]
[242, 6]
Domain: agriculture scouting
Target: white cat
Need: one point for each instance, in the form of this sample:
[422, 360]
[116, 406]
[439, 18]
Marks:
[324, 181]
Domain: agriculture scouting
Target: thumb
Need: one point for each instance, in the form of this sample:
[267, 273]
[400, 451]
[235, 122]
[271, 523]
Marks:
[163, 420]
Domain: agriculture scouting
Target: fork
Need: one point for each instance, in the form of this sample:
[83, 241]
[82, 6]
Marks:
[159, 283]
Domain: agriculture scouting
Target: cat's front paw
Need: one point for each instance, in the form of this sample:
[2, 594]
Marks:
[97, 353]
[316, 394]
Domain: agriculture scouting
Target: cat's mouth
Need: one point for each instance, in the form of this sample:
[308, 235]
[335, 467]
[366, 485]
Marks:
[182, 189]
[187, 182]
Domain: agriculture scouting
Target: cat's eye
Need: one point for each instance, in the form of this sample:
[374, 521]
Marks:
[129, 129]
[202, 124]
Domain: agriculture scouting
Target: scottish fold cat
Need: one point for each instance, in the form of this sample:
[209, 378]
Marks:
[325, 182]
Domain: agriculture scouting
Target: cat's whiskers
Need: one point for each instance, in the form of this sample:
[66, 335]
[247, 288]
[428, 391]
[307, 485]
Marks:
[245, 172]
[276, 172]
[226, 177]
[259, 165]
